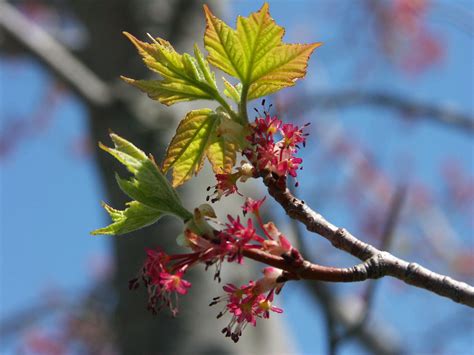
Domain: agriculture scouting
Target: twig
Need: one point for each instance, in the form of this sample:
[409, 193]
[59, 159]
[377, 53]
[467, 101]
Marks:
[298, 268]
[377, 263]
[336, 316]
[372, 338]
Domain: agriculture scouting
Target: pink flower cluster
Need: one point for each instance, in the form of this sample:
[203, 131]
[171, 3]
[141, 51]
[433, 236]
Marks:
[405, 34]
[241, 237]
[249, 302]
[163, 274]
[236, 236]
[266, 153]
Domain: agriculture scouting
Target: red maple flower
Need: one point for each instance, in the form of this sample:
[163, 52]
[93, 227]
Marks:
[239, 237]
[292, 135]
[252, 206]
[249, 302]
[162, 280]
[266, 153]
[288, 166]
[227, 182]
[174, 283]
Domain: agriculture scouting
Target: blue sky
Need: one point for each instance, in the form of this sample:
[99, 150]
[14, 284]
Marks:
[50, 198]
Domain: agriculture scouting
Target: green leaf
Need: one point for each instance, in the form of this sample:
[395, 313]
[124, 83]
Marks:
[135, 216]
[258, 34]
[185, 78]
[233, 92]
[280, 68]
[187, 149]
[148, 185]
[209, 76]
[125, 152]
[222, 153]
[225, 50]
[255, 53]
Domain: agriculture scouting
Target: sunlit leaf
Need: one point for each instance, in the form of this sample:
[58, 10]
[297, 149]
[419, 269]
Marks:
[186, 152]
[225, 49]
[255, 53]
[222, 153]
[280, 68]
[258, 34]
[184, 78]
[233, 92]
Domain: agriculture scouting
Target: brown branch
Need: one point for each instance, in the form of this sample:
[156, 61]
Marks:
[377, 263]
[297, 269]
[408, 107]
[334, 310]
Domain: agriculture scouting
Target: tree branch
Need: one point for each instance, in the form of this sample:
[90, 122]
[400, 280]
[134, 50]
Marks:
[338, 317]
[96, 92]
[414, 109]
[297, 268]
[373, 338]
[54, 55]
[377, 263]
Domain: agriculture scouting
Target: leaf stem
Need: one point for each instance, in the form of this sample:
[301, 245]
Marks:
[243, 104]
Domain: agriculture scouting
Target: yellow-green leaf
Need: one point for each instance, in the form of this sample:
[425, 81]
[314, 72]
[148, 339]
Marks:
[258, 34]
[135, 216]
[187, 149]
[232, 91]
[225, 50]
[255, 52]
[184, 78]
[222, 153]
[280, 68]
[209, 76]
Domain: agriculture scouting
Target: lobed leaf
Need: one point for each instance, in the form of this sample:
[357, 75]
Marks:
[222, 153]
[228, 138]
[258, 35]
[134, 217]
[223, 45]
[280, 68]
[255, 52]
[233, 92]
[187, 149]
[184, 78]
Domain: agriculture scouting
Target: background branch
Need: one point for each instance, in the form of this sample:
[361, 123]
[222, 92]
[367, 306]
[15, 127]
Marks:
[372, 338]
[410, 108]
[338, 317]
[386, 238]
[54, 55]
